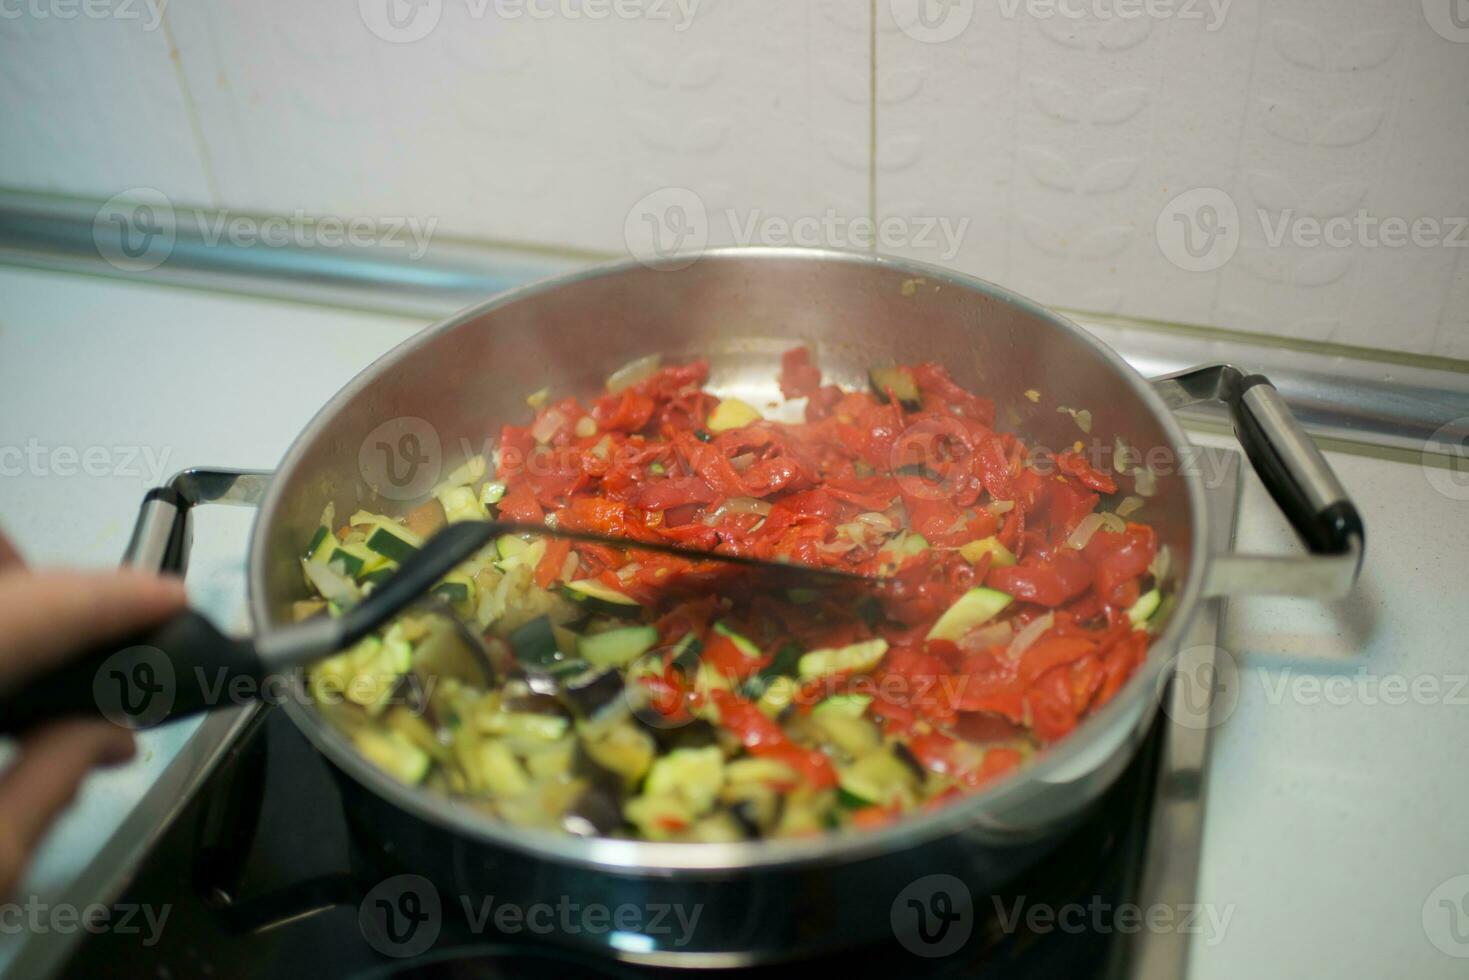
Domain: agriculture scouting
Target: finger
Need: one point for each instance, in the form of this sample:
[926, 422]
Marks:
[43, 781]
[9, 557]
[48, 615]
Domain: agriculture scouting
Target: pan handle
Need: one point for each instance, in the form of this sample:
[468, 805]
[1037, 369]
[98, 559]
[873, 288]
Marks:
[132, 681]
[1296, 474]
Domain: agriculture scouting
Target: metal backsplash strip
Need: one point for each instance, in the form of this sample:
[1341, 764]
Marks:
[1348, 395]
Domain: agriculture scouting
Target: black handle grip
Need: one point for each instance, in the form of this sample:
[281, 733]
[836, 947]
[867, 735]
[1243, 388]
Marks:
[1293, 469]
[182, 667]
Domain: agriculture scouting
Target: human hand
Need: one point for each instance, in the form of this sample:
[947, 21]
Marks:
[45, 617]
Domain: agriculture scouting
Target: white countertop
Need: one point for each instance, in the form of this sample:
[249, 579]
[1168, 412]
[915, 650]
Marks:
[1329, 825]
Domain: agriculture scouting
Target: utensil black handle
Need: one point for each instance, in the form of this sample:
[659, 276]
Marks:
[181, 667]
[1292, 468]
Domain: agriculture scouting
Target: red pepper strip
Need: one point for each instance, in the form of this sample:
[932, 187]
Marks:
[1049, 652]
[798, 376]
[1046, 583]
[871, 817]
[1075, 465]
[762, 736]
[998, 761]
[549, 569]
[519, 504]
[1136, 553]
[1049, 707]
[722, 655]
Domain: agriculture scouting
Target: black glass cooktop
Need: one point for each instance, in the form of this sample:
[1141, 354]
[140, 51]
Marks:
[263, 877]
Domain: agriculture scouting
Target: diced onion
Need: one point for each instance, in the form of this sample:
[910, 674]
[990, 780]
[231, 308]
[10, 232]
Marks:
[737, 505]
[547, 425]
[1111, 522]
[569, 566]
[989, 635]
[1162, 561]
[881, 522]
[1000, 507]
[1129, 505]
[1026, 638]
[632, 372]
[586, 427]
[333, 586]
[838, 547]
[1082, 534]
[1145, 481]
[742, 462]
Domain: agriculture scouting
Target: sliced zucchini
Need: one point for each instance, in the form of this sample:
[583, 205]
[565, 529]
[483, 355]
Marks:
[599, 597]
[455, 590]
[846, 705]
[617, 648]
[686, 652]
[745, 644]
[732, 414]
[534, 644]
[658, 817]
[344, 561]
[461, 504]
[467, 472]
[523, 724]
[693, 775]
[856, 658]
[1147, 604]
[786, 663]
[497, 769]
[1000, 556]
[879, 778]
[778, 695]
[624, 750]
[974, 608]
[898, 380]
[322, 533]
[492, 493]
[394, 547]
[394, 754]
[509, 545]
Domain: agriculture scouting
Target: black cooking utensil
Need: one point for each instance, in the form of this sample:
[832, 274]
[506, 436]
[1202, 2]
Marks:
[186, 665]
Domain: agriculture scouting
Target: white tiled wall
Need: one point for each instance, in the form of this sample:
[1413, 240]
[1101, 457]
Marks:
[1054, 143]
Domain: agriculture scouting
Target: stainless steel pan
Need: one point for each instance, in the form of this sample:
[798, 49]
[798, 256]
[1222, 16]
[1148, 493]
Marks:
[383, 440]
